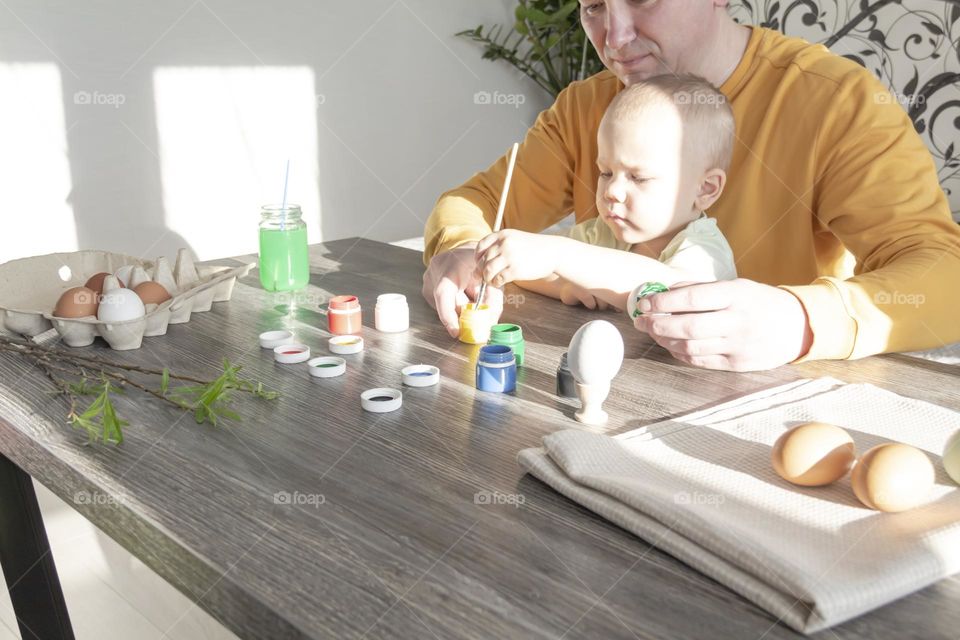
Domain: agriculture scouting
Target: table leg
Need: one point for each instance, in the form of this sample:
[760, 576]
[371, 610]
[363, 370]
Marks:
[26, 560]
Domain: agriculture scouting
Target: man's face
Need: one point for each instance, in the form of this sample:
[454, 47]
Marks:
[639, 39]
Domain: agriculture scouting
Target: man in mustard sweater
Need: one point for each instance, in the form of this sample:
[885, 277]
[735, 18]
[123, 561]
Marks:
[825, 167]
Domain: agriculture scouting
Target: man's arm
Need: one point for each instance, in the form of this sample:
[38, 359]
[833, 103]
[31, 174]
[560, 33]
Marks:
[878, 193]
[880, 196]
[541, 190]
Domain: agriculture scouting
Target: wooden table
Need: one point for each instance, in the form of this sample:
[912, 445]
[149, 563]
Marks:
[392, 536]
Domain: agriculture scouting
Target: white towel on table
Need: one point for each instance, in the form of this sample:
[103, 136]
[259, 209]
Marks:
[702, 488]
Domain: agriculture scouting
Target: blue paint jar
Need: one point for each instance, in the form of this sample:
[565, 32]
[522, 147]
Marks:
[496, 369]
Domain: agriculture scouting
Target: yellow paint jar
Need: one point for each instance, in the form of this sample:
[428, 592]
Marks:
[475, 324]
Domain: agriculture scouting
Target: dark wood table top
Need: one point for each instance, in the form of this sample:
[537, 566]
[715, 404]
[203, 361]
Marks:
[390, 538]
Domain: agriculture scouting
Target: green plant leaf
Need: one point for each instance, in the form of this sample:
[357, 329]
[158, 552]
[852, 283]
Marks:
[565, 11]
[537, 17]
[232, 415]
[164, 381]
[546, 43]
[100, 419]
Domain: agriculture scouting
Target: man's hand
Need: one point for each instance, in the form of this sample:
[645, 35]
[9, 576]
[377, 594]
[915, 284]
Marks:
[450, 282]
[510, 255]
[735, 325]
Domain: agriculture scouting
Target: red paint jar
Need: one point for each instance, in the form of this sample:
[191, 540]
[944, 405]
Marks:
[343, 315]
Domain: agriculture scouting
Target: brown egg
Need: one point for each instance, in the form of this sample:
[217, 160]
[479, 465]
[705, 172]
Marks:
[151, 293]
[78, 302]
[96, 282]
[813, 454]
[893, 477]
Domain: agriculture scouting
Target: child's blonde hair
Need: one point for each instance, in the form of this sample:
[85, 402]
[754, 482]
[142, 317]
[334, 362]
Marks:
[705, 113]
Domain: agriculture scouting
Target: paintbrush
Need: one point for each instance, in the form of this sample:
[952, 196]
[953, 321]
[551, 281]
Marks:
[503, 204]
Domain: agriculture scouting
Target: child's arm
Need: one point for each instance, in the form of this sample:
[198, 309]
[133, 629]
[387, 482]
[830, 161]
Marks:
[608, 274]
[568, 293]
[549, 286]
[611, 274]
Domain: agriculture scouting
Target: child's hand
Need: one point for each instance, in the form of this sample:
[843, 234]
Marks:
[573, 295]
[510, 255]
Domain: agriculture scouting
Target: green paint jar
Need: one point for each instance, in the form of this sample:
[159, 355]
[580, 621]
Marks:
[510, 335]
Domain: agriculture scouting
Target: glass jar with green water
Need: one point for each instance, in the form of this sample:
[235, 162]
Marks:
[284, 263]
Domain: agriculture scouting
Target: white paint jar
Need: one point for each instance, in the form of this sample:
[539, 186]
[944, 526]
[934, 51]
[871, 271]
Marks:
[392, 315]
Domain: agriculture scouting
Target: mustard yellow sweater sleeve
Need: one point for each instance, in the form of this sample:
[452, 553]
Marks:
[560, 146]
[878, 193]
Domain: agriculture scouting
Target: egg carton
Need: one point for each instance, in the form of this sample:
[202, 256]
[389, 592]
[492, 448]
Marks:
[30, 287]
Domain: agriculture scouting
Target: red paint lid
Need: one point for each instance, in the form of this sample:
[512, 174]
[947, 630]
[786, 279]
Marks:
[344, 303]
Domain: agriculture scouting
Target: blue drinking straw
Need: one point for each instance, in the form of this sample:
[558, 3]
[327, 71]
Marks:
[283, 206]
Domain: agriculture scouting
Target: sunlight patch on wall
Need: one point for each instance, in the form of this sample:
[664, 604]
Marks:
[36, 183]
[225, 135]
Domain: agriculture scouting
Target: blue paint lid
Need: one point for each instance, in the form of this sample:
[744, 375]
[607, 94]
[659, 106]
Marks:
[496, 354]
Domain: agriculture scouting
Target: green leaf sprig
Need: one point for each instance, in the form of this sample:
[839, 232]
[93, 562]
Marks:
[209, 401]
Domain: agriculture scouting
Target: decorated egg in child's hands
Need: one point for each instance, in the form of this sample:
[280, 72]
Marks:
[640, 292]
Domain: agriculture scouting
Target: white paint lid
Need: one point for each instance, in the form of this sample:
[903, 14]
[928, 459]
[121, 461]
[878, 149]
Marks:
[327, 367]
[381, 400]
[273, 339]
[291, 353]
[420, 375]
[346, 344]
[391, 300]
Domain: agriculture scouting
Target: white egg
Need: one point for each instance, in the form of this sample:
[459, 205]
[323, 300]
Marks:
[595, 353]
[120, 305]
[951, 457]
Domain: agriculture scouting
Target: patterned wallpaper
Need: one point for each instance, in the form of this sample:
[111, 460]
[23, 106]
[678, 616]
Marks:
[913, 46]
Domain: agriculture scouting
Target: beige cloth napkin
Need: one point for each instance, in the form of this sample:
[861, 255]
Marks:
[702, 488]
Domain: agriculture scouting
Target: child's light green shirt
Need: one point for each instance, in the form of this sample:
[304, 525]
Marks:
[698, 249]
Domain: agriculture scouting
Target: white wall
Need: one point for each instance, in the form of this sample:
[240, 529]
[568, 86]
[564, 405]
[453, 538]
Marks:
[140, 127]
